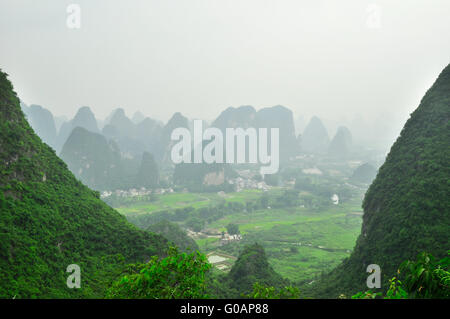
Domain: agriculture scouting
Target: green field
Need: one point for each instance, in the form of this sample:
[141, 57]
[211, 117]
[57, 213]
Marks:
[180, 200]
[300, 243]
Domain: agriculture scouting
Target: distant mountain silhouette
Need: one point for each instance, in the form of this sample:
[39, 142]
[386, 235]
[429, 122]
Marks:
[42, 122]
[133, 139]
[138, 117]
[342, 142]
[176, 121]
[59, 121]
[123, 124]
[315, 137]
[148, 174]
[92, 159]
[84, 118]
[282, 118]
[271, 117]
[243, 116]
[149, 133]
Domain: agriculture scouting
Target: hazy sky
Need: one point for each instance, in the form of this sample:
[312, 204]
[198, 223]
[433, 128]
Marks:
[335, 59]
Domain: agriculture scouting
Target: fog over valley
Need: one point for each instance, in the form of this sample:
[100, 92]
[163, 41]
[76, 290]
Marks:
[226, 150]
[349, 63]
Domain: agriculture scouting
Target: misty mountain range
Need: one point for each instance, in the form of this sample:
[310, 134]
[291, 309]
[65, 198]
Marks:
[109, 154]
[139, 133]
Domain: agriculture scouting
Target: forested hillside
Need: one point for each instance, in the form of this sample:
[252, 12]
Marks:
[406, 208]
[49, 220]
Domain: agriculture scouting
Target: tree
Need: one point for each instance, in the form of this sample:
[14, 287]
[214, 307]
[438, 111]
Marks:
[195, 224]
[423, 278]
[233, 229]
[177, 276]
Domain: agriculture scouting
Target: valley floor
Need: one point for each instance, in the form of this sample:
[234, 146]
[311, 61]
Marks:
[300, 243]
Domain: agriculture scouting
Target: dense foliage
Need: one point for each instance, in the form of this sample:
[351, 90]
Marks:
[427, 277]
[424, 278]
[407, 207]
[49, 220]
[179, 275]
[175, 234]
[233, 229]
[251, 267]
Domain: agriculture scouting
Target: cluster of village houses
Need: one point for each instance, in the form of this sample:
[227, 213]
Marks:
[240, 184]
[227, 238]
[247, 183]
[136, 192]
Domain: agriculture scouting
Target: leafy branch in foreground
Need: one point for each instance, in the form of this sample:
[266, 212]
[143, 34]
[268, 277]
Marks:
[427, 278]
[179, 275]
[423, 278]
